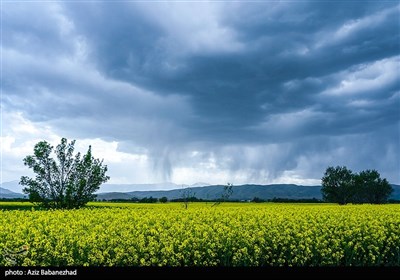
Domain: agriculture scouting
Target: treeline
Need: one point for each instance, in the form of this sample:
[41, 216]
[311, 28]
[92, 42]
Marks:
[288, 200]
[195, 199]
[135, 199]
[16, 199]
[161, 200]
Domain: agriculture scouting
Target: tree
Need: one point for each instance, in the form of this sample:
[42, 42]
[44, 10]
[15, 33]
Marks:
[187, 195]
[148, 200]
[65, 182]
[338, 185]
[257, 199]
[163, 199]
[226, 193]
[372, 188]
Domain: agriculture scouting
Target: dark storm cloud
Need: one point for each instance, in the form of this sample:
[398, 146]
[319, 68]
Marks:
[291, 80]
[230, 91]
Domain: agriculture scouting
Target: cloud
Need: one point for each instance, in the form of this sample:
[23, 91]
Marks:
[201, 91]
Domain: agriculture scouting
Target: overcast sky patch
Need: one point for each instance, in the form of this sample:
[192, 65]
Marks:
[217, 92]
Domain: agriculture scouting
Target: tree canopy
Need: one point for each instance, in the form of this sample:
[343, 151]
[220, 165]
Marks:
[67, 181]
[341, 185]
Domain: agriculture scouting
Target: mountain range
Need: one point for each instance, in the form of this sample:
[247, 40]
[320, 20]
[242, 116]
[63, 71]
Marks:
[240, 192]
[14, 186]
[200, 191]
[6, 193]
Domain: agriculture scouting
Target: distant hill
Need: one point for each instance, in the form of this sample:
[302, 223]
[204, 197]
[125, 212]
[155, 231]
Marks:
[241, 192]
[208, 192]
[396, 192]
[145, 187]
[5, 193]
[13, 186]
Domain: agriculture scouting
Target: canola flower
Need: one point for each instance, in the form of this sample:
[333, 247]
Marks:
[231, 234]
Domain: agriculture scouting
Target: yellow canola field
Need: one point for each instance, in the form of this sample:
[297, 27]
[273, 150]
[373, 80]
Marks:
[229, 234]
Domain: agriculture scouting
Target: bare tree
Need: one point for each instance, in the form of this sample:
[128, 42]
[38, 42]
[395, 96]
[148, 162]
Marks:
[187, 195]
[226, 193]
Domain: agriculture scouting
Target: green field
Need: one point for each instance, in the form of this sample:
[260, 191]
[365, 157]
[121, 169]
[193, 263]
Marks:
[229, 234]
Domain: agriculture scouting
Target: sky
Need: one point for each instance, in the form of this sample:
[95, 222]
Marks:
[204, 91]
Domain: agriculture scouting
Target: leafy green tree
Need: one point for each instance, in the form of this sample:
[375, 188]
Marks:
[148, 200]
[338, 185]
[371, 188]
[257, 199]
[67, 181]
[163, 199]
